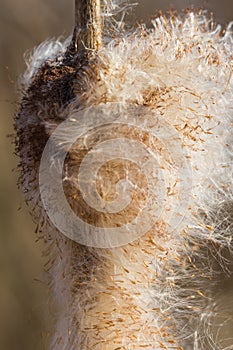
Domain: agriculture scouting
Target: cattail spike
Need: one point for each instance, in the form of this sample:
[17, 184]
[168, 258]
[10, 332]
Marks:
[87, 30]
[128, 153]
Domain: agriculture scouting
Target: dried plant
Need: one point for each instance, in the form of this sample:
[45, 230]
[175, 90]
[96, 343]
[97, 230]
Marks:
[125, 157]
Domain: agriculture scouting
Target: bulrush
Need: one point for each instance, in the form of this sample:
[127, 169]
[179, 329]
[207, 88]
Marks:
[144, 124]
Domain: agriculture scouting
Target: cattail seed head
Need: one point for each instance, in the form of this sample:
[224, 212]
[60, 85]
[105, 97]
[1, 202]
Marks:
[151, 292]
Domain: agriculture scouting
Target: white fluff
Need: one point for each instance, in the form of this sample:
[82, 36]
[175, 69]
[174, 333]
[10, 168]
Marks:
[46, 51]
[152, 294]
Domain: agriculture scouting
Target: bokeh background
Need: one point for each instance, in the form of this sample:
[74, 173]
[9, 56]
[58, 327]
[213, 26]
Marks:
[25, 318]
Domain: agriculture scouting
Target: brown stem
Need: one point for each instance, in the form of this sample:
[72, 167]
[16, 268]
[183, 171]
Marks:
[87, 31]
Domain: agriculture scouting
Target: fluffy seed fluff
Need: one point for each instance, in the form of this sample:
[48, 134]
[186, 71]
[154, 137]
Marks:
[156, 292]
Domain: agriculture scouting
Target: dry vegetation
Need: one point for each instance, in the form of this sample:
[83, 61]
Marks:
[24, 315]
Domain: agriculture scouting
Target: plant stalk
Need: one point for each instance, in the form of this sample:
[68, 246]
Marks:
[87, 30]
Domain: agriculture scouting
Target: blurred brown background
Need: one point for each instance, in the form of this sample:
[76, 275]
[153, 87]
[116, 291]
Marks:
[24, 307]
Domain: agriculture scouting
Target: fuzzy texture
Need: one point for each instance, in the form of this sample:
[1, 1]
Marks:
[154, 293]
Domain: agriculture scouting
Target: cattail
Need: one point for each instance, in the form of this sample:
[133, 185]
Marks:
[125, 157]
